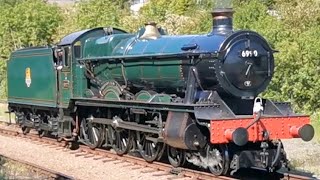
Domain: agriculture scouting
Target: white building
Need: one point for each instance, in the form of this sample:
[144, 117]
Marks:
[137, 4]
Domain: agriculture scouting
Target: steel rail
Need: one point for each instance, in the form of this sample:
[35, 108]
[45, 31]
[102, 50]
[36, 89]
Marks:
[49, 172]
[106, 156]
[109, 156]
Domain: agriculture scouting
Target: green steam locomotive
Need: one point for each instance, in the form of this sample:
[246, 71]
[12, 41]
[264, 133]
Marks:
[193, 97]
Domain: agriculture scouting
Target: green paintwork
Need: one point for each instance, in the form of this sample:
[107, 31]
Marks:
[42, 90]
[161, 98]
[152, 73]
[111, 93]
[49, 87]
[65, 86]
[79, 82]
[71, 81]
[148, 73]
[73, 75]
[144, 95]
[151, 96]
[95, 47]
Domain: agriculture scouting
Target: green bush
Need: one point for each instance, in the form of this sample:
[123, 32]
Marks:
[23, 24]
[99, 13]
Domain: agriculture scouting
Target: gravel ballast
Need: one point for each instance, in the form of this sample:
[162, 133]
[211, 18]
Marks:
[67, 163]
[303, 156]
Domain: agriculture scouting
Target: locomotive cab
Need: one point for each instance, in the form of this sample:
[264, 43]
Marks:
[60, 58]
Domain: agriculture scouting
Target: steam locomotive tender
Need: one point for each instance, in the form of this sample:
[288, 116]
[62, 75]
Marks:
[194, 96]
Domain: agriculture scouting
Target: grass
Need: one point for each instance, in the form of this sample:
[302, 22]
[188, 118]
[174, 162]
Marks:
[2, 173]
[315, 121]
[10, 169]
[4, 117]
[308, 162]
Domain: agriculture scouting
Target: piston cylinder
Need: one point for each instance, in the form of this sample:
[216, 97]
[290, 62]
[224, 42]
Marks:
[182, 132]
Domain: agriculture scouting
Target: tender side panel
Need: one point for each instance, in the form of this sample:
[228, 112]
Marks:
[272, 127]
[32, 78]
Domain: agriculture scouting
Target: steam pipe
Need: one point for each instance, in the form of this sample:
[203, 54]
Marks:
[276, 158]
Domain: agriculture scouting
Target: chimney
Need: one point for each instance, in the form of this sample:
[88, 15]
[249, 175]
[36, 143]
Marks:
[151, 31]
[222, 15]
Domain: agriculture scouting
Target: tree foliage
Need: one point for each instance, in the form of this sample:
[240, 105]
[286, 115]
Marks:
[293, 28]
[94, 13]
[24, 23]
[298, 77]
[180, 16]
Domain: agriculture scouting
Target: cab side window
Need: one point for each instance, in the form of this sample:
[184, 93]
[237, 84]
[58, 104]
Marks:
[67, 56]
[58, 57]
[77, 49]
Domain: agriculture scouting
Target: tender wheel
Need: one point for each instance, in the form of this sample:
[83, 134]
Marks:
[148, 149]
[122, 140]
[71, 145]
[42, 133]
[176, 156]
[218, 160]
[25, 130]
[90, 134]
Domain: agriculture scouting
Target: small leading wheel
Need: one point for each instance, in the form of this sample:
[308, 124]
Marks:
[121, 140]
[176, 156]
[148, 149]
[218, 160]
[90, 134]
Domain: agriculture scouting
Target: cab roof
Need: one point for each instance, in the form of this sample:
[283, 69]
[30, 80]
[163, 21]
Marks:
[74, 37]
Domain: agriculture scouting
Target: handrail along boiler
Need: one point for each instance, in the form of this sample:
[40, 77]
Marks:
[193, 95]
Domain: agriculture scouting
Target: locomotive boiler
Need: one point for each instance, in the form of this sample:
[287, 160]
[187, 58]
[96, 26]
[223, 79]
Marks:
[163, 63]
[191, 97]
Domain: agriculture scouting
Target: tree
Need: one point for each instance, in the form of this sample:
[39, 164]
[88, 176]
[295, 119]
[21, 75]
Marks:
[178, 17]
[23, 24]
[9, 2]
[94, 13]
[180, 7]
[294, 30]
[299, 75]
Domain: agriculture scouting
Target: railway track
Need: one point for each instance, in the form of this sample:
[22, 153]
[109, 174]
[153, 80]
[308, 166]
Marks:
[45, 172]
[134, 162]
